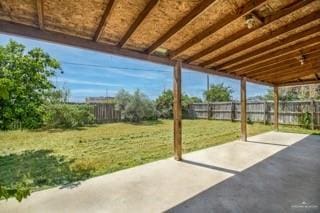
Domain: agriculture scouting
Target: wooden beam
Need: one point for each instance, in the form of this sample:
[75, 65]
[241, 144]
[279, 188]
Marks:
[197, 11]
[276, 74]
[246, 31]
[222, 74]
[40, 14]
[276, 108]
[103, 21]
[244, 109]
[295, 75]
[138, 21]
[289, 39]
[251, 5]
[281, 59]
[177, 111]
[298, 83]
[64, 39]
[275, 53]
[282, 30]
[285, 66]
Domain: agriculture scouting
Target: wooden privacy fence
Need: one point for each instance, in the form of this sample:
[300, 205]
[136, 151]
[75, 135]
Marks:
[258, 111]
[105, 113]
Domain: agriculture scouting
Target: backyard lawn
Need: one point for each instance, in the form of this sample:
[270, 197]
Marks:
[44, 159]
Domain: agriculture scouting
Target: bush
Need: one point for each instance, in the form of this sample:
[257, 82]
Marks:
[164, 104]
[68, 116]
[305, 120]
[136, 107]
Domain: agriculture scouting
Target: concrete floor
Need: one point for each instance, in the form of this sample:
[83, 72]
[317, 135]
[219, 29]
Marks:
[272, 172]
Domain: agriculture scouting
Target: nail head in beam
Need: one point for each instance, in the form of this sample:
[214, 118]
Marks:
[104, 19]
[177, 111]
[152, 4]
[40, 14]
[243, 109]
[276, 108]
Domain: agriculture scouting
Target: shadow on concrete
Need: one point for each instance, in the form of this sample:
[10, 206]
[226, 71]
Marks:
[288, 181]
[259, 142]
[210, 166]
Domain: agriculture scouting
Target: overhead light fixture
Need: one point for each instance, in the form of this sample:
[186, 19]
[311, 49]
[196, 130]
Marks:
[301, 59]
[252, 20]
[161, 51]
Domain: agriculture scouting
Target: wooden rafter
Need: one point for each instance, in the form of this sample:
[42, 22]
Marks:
[61, 38]
[275, 53]
[295, 83]
[246, 31]
[275, 61]
[295, 76]
[300, 22]
[251, 5]
[295, 70]
[285, 69]
[40, 14]
[205, 4]
[283, 61]
[138, 21]
[104, 19]
[289, 39]
[298, 73]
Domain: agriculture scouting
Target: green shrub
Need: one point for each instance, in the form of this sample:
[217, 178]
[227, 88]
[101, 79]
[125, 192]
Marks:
[305, 120]
[68, 116]
[135, 107]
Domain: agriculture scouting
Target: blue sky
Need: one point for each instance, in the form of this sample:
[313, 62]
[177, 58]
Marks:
[89, 73]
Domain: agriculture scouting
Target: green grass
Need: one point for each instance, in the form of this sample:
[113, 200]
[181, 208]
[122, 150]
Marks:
[44, 159]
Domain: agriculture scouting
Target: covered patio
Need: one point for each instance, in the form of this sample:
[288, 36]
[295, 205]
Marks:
[274, 43]
[274, 171]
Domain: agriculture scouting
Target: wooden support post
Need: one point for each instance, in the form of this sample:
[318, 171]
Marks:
[276, 108]
[177, 111]
[312, 109]
[244, 109]
[208, 107]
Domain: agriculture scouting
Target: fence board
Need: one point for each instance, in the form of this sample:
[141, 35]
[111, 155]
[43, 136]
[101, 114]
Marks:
[258, 111]
[105, 113]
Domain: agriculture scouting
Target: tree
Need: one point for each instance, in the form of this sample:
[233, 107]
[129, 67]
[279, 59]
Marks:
[164, 103]
[24, 79]
[135, 107]
[305, 92]
[218, 92]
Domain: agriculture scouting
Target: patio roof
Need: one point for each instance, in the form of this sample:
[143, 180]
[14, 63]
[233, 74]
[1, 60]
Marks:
[267, 41]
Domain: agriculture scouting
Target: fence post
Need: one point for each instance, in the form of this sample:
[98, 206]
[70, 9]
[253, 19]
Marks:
[209, 111]
[233, 113]
[265, 112]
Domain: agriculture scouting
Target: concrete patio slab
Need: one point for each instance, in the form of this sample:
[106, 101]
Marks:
[272, 172]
